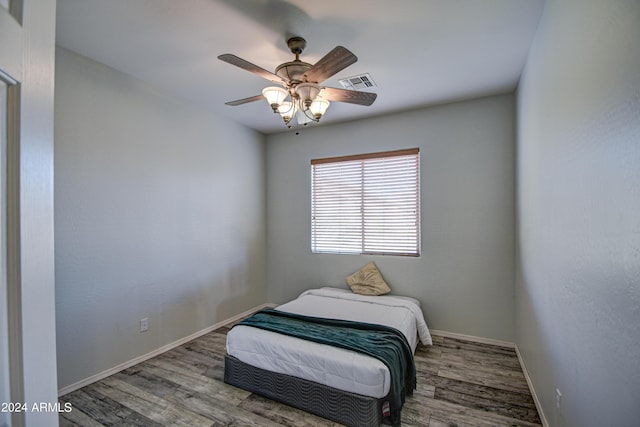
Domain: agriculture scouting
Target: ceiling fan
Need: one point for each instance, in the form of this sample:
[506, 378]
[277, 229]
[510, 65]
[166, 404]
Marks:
[300, 94]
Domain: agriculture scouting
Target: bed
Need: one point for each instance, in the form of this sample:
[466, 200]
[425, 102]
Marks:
[336, 383]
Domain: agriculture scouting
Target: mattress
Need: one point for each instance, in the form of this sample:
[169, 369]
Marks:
[338, 368]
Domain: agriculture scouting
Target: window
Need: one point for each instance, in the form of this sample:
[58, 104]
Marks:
[366, 204]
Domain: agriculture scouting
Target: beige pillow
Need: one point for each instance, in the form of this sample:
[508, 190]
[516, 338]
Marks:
[368, 281]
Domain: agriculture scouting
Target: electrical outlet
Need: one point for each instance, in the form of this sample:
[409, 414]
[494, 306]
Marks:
[144, 324]
[558, 398]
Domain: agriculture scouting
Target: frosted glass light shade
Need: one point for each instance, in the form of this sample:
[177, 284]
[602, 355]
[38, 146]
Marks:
[318, 107]
[307, 93]
[302, 118]
[287, 110]
[274, 96]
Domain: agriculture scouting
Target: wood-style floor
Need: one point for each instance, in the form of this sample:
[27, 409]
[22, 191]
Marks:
[460, 383]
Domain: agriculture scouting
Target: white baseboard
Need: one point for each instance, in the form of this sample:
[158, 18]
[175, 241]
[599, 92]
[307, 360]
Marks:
[472, 338]
[154, 353]
[543, 418]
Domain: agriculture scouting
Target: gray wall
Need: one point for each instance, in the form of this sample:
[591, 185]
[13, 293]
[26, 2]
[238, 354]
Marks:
[159, 213]
[465, 275]
[578, 286]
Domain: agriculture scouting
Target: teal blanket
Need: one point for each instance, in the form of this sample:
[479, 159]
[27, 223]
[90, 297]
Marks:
[382, 342]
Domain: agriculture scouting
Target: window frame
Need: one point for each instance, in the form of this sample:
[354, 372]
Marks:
[377, 234]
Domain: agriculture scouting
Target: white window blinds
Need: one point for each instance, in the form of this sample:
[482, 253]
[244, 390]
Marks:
[366, 204]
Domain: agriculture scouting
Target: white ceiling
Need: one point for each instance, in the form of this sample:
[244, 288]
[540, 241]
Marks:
[419, 52]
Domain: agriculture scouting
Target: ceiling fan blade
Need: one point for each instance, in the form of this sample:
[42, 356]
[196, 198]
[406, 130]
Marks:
[246, 65]
[244, 100]
[350, 96]
[333, 62]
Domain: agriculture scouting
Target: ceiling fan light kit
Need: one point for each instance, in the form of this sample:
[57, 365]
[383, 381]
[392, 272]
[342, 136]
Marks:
[300, 94]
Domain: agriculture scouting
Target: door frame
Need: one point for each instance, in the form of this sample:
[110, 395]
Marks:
[27, 65]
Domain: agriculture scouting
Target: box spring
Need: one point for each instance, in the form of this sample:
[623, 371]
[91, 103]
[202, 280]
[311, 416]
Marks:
[327, 402]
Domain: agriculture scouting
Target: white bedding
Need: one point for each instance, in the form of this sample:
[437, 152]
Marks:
[335, 367]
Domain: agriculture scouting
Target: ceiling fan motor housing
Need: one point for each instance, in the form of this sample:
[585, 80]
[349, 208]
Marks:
[293, 71]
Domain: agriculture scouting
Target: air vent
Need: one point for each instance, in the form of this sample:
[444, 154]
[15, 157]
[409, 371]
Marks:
[363, 81]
